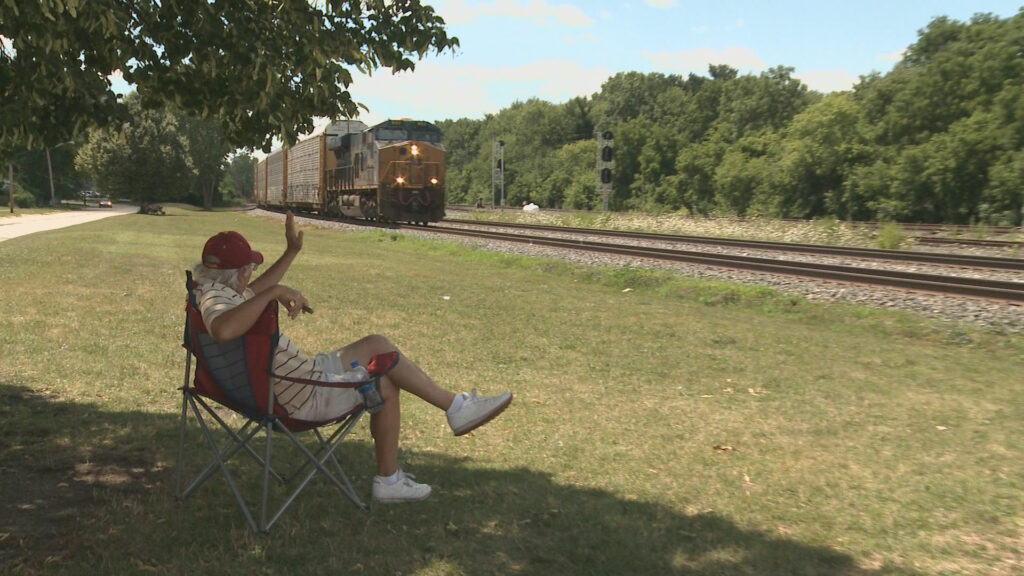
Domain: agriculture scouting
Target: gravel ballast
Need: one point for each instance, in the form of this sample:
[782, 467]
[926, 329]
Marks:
[1003, 317]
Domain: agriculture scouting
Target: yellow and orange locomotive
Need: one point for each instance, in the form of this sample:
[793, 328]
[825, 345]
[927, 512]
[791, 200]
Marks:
[392, 172]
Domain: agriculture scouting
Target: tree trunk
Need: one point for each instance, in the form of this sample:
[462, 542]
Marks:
[208, 188]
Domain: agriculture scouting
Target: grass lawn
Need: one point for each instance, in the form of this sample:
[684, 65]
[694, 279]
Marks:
[661, 425]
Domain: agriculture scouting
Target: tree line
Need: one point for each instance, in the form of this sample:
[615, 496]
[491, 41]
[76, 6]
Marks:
[155, 155]
[937, 139]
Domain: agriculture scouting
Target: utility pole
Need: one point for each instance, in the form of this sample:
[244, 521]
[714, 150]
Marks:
[49, 170]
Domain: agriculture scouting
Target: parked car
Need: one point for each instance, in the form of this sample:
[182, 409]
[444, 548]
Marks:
[104, 203]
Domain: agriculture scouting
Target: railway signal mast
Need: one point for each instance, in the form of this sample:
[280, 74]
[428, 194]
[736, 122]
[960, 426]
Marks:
[605, 162]
[498, 170]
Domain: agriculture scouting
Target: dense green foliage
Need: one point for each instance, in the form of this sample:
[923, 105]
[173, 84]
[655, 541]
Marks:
[260, 68]
[239, 177]
[210, 76]
[32, 176]
[155, 156]
[940, 138]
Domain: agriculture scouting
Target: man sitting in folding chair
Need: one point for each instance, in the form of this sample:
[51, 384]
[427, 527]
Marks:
[231, 302]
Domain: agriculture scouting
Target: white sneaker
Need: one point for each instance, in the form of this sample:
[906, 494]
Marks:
[477, 411]
[405, 490]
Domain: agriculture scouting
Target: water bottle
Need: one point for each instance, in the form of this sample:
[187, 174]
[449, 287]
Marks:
[369, 391]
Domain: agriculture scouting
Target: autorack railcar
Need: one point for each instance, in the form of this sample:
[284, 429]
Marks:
[391, 172]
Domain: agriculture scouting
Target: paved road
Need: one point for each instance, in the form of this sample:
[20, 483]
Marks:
[20, 225]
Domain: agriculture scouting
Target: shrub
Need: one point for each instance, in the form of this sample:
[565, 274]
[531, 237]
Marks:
[890, 236]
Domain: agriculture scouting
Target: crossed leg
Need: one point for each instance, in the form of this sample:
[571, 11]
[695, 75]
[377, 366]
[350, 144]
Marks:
[385, 425]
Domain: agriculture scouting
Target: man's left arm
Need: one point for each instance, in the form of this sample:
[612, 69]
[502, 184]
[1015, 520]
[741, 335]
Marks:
[276, 272]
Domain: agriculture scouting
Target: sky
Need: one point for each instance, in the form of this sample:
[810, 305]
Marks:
[554, 50]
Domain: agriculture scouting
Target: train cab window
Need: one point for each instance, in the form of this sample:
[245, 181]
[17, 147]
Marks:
[355, 163]
[392, 134]
[426, 136]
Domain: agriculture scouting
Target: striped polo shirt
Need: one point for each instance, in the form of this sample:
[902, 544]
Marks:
[215, 299]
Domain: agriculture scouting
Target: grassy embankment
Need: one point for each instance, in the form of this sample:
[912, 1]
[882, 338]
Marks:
[677, 427]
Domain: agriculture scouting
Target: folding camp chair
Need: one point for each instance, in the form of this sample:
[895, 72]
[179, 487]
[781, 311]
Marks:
[238, 376]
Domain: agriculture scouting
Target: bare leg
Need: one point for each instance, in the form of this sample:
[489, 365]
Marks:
[385, 425]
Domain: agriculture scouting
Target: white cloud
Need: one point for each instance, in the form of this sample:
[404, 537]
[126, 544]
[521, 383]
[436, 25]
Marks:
[697, 61]
[893, 57]
[745, 61]
[826, 81]
[660, 3]
[437, 92]
[460, 12]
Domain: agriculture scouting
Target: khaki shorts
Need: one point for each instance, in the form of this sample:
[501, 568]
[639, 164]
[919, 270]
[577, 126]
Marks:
[327, 403]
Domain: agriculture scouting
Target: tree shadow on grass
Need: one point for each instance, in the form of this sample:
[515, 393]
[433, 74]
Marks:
[92, 489]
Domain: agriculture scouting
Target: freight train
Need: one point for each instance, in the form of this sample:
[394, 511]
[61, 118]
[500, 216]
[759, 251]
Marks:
[392, 172]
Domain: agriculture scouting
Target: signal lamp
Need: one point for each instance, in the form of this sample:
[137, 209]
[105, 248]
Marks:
[400, 180]
[433, 181]
[415, 150]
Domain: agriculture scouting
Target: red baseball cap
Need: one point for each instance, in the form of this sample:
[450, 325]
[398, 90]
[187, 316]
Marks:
[229, 250]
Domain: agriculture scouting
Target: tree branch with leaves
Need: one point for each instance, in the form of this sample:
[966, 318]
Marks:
[261, 68]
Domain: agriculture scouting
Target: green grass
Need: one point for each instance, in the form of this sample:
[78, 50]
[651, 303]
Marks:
[661, 425]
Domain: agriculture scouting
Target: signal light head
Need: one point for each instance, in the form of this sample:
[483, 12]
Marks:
[415, 149]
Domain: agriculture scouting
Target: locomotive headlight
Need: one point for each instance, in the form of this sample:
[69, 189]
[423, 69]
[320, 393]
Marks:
[400, 180]
[433, 181]
[415, 150]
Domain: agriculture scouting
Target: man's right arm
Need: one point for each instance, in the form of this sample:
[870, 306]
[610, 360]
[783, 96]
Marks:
[236, 321]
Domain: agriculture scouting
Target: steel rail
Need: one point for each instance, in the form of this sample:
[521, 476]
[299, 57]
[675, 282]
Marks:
[865, 253]
[934, 283]
[970, 242]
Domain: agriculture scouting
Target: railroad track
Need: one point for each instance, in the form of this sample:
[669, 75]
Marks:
[989, 289]
[979, 288]
[967, 261]
[941, 234]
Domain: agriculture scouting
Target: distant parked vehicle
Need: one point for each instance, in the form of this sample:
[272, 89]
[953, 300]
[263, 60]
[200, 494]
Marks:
[104, 203]
[152, 209]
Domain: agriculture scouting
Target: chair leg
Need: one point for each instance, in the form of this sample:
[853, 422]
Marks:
[264, 526]
[231, 447]
[349, 490]
[227, 474]
[323, 454]
[239, 440]
[184, 422]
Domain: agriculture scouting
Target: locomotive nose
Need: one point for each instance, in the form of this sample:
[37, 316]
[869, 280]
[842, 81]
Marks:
[415, 197]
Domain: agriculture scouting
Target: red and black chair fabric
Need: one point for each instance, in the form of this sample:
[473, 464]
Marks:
[237, 375]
